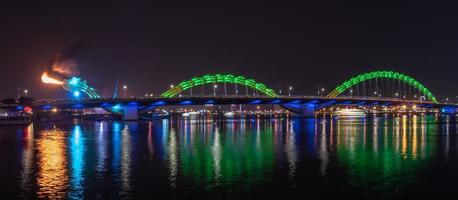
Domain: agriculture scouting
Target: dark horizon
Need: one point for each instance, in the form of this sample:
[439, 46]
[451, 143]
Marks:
[149, 46]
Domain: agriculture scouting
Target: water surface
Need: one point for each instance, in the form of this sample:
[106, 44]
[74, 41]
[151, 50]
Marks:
[376, 158]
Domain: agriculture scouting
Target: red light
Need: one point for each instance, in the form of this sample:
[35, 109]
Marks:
[28, 109]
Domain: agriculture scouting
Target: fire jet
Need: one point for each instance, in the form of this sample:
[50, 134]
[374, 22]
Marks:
[74, 84]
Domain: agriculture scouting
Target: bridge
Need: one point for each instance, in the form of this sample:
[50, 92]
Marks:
[381, 88]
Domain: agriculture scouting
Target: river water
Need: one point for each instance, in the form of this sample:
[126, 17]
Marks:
[370, 158]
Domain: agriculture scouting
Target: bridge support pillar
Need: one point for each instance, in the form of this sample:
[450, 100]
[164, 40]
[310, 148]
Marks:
[301, 110]
[307, 110]
[130, 112]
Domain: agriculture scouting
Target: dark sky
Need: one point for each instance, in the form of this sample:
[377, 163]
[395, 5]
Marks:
[150, 45]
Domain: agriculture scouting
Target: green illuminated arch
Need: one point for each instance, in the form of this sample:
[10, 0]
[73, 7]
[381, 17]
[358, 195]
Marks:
[218, 78]
[382, 74]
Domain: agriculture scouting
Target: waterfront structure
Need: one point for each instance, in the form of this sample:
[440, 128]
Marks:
[377, 88]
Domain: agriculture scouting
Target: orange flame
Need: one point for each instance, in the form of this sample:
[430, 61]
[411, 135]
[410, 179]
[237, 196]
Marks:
[49, 80]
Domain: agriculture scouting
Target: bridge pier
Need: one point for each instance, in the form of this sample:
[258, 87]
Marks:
[301, 110]
[130, 112]
[307, 110]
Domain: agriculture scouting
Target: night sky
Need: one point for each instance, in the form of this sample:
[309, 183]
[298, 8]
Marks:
[149, 46]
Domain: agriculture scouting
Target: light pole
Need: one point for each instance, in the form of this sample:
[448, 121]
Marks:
[322, 91]
[214, 89]
[124, 89]
[351, 93]
[26, 92]
[289, 90]
[236, 90]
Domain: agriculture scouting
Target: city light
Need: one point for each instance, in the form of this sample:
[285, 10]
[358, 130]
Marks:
[124, 87]
[321, 92]
[76, 94]
[214, 89]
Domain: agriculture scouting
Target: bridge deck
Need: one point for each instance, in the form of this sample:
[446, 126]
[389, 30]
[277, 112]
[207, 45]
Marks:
[221, 100]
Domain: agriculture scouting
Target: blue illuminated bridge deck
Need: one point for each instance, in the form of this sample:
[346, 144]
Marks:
[319, 101]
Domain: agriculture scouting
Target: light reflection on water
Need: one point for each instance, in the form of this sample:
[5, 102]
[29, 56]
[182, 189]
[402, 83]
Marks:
[77, 151]
[188, 158]
[26, 183]
[52, 164]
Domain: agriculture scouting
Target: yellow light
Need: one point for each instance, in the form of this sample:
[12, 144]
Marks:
[46, 79]
[54, 110]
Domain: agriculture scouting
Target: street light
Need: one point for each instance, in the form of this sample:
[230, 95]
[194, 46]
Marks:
[26, 92]
[422, 98]
[171, 85]
[214, 89]
[124, 88]
[321, 92]
[289, 90]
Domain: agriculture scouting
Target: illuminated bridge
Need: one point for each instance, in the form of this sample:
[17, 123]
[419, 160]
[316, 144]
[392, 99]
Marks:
[381, 88]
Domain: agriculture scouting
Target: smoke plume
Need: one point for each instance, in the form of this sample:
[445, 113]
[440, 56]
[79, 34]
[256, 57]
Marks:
[65, 62]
